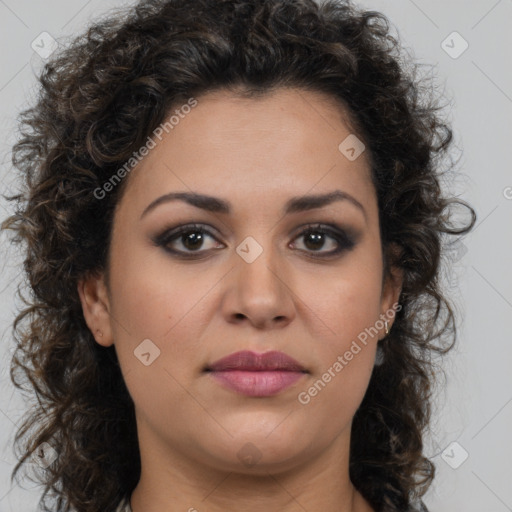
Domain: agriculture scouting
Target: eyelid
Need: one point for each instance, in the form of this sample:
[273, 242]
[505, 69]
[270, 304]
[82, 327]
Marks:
[169, 233]
[345, 238]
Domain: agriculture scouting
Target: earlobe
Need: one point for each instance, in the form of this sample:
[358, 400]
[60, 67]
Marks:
[93, 294]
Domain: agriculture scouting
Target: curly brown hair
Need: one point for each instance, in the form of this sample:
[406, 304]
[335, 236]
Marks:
[100, 98]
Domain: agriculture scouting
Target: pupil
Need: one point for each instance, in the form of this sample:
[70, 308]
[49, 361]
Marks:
[317, 239]
[193, 240]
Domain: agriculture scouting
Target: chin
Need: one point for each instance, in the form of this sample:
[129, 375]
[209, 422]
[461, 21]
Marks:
[258, 453]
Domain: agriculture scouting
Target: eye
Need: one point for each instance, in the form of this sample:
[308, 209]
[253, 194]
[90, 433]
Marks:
[317, 237]
[189, 241]
[185, 240]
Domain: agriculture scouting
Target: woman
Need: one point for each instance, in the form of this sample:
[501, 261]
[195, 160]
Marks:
[233, 227]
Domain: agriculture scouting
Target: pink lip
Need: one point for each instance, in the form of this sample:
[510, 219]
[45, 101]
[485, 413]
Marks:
[255, 374]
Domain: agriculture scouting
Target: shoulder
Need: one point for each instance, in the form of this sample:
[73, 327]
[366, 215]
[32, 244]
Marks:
[124, 506]
[418, 506]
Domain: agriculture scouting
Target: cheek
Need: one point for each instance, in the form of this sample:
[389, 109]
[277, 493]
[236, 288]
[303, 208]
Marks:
[346, 302]
[345, 355]
[150, 296]
[166, 309]
[169, 305]
[348, 307]
[351, 314]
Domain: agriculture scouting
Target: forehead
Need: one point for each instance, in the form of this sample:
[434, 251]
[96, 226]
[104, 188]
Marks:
[285, 143]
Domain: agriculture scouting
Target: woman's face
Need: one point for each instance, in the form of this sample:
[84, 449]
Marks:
[256, 279]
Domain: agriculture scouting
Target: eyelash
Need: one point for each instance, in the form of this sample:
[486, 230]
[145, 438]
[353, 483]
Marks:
[344, 240]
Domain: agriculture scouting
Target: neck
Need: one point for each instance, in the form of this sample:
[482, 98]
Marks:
[172, 482]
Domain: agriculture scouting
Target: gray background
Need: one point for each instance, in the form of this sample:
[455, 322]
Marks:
[473, 407]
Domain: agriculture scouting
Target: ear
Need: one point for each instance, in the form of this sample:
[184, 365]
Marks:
[391, 289]
[96, 307]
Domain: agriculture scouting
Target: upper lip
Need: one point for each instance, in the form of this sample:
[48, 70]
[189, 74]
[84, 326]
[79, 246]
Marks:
[252, 361]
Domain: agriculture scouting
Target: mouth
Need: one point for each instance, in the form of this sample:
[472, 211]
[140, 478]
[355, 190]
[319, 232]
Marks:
[256, 375]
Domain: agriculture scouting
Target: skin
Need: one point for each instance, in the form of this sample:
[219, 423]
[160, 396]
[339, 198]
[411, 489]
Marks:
[256, 154]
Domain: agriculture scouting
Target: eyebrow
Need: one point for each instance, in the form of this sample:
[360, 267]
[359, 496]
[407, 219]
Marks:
[293, 205]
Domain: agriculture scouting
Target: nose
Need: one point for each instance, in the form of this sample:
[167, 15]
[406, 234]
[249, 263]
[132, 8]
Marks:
[259, 293]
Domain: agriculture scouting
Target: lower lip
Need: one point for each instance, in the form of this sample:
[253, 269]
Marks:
[257, 383]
